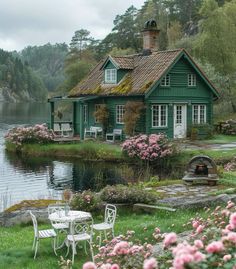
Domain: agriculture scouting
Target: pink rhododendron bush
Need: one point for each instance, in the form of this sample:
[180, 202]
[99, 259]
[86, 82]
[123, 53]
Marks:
[148, 148]
[211, 244]
[38, 133]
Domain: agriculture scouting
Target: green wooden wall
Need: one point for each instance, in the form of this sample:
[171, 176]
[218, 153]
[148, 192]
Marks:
[179, 92]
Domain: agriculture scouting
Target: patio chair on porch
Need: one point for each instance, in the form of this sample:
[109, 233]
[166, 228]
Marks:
[93, 131]
[108, 224]
[66, 129]
[41, 234]
[111, 137]
[57, 129]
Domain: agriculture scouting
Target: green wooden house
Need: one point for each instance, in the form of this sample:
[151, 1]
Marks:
[175, 91]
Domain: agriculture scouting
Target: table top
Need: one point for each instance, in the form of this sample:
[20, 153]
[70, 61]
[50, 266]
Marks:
[73, 215]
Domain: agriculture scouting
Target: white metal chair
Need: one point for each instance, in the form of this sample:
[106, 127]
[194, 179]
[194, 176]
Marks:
[92, 131]
[110, 137]
[56, 129]
[109, 222]
[81, 231]
[41, 234]
[66, 129]
[57, 225]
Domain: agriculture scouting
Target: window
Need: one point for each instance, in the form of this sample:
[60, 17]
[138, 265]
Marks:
[85, 113]
[97, 106]
[166, 81]
[120, 111]
[199, 114]
[192, 80]
[159, 116]
[110, 76]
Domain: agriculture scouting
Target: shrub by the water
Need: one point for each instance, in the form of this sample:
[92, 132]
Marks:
[148, 148]
[38, 133]
[127, 194]
[86, 201]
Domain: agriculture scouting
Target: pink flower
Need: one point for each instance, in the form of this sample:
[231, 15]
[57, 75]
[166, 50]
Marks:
[199, 229]
[121, 248]
[230, 204]
[227, 257]
[232, 220]
[215, 247]
[231, 237]
[198, 244]
[195, 224]
[169, 239]
[89, 265]
[115, 266]
[150, 264]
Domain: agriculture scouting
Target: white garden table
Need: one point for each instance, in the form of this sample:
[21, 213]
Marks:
[70, 217]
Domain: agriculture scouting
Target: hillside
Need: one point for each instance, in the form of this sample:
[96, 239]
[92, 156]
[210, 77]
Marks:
[18, 82]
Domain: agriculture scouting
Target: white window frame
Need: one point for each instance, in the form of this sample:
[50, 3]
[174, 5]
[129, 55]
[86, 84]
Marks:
[120, 111]
[159, 109]
[199, 114]
[97, 106]
[110, 76]
[165, 82]
[192, 80]
[85, 113]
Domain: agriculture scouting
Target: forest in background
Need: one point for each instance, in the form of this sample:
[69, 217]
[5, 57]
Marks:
[205, 28]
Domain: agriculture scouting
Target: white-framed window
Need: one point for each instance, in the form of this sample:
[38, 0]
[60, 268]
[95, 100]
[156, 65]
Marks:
[192, 80]
[166, 81]
[97, 106]
[85, 113]
[111, 76]
[159, 115]
[199, 114]
[120, 111]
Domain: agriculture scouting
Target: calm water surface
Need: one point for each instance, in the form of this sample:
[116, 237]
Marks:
[33, 178]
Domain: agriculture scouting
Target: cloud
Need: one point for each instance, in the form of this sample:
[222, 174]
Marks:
[29, 22]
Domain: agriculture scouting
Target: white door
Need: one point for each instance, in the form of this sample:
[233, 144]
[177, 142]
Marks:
[180, 121]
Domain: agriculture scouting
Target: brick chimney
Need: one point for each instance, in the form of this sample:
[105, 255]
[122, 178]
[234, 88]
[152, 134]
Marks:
[150, 34]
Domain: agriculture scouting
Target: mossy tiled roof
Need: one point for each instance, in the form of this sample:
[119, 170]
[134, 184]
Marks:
[143, 72]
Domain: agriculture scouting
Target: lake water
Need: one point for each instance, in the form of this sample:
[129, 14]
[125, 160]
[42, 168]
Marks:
[34, 178]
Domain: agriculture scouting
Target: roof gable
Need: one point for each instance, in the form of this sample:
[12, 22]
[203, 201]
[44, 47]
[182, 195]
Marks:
[122, 62]
[194, 65]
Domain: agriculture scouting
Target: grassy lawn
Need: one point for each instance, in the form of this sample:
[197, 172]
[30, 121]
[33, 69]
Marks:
[16, 242]
[220, 139]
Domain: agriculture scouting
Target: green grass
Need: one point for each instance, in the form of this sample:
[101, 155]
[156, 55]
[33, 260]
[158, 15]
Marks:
[220, 139]
[87, 150]
[16, 242]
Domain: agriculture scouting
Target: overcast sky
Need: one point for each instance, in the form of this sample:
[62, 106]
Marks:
[36, 22]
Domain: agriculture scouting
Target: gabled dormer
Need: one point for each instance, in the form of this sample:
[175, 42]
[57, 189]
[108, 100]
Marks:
[115, 68]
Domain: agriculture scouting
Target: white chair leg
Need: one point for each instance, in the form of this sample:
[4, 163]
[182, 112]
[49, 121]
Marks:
[34, 243]
[100, 239]
[91, 250]
[113, 234]
[36, 248]
[68, 249]
[73, 253]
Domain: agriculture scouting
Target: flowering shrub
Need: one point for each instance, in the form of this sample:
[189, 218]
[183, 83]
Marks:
[148, 148]
[127, 194]
[33, 134]
[212, 244]
[87, 201]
